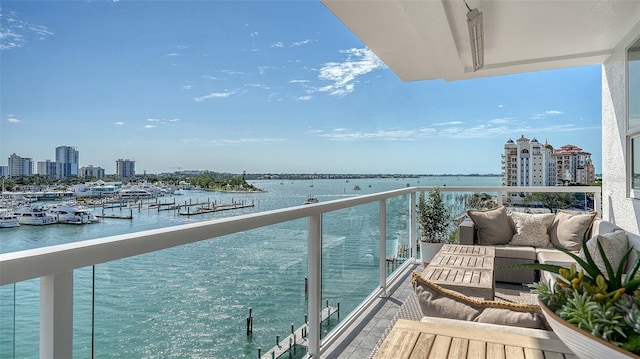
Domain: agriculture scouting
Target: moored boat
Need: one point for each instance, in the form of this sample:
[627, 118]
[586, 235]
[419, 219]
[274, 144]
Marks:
[70, 214]
[8, 220]
[34, 216]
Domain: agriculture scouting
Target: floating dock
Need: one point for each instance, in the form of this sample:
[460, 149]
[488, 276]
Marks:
[298, 337]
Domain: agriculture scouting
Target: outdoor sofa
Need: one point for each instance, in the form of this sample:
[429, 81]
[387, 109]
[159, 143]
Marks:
[528, 238]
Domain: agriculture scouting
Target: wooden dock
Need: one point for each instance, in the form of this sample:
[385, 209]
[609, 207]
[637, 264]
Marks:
[216, 208]
[298, 337]
[117, 216]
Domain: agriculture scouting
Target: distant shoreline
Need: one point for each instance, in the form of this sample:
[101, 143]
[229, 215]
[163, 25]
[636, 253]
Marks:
[310, 176]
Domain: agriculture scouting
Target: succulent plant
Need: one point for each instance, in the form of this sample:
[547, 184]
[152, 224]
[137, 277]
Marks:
[607, 305]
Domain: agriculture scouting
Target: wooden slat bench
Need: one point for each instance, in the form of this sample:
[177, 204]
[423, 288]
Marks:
[412, 339]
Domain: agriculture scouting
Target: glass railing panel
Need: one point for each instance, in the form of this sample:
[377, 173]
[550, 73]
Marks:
[350, 257]
[548, 202]
[82, 312]
[7, 321]
[193, 300]
[398, 221]
[20, 319]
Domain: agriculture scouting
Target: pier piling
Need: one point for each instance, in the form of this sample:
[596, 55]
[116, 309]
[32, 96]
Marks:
[250, 322]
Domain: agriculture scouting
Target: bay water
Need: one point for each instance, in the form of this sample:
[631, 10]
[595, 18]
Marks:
[192, 301]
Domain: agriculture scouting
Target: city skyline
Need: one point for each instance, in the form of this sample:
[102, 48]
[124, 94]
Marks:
[262, 87]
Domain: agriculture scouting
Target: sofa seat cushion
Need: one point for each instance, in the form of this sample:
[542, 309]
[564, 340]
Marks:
[436, 301]
[554, 256]
[515, 252]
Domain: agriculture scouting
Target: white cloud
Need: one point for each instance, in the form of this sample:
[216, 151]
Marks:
[254, 34]
[264, 69]
[501, 120]
[173, 54]
[500, 106]
[215, 95]
[343, 75]
[300, 43]
[454, 131]
[539, 116]
[261, 86]
[119, 123]
[174, 120]
[448, 123]
[150, 126]
[13, 120]
[15, 33]
[304, 98]
[246, 140]
[187, 87]
[299, 81]
[277, 44]
[153, 120]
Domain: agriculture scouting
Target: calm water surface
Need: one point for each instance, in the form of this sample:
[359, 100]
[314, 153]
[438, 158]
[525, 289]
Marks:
[192, 301]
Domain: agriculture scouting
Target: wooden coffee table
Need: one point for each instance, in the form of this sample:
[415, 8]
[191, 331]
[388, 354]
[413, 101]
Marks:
[465, 269]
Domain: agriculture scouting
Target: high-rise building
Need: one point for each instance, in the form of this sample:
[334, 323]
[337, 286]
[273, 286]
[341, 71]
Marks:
[527, 163]
[573, 166]
[20, 166]
[67, 159]
[90, 171]
[48, 168]
[4, 171]
[125, 168]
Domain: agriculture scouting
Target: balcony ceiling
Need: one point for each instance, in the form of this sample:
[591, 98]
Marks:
[429, 39]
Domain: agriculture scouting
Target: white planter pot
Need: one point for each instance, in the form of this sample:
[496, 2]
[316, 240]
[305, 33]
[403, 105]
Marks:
[582, 344]
[429, 250]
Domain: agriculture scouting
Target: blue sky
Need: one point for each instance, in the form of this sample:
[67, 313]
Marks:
[261, 86]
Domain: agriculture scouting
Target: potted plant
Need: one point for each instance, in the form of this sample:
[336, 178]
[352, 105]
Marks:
[595, 313]
[434, 221]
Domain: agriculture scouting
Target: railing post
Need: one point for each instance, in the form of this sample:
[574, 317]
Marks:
[56, 316]
[597, 202]
[383, 248]
[413, 237]
[315, 285]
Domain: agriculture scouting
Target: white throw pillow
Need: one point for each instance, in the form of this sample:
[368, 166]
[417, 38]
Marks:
[531, 229]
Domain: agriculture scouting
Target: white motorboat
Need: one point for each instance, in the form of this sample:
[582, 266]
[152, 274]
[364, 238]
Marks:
[8, 219]
[311, 199]
[135, 194]
[70, 214]
[34, 216]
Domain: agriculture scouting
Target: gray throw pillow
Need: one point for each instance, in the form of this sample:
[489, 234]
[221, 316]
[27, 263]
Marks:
[568, 229]
[493, 226]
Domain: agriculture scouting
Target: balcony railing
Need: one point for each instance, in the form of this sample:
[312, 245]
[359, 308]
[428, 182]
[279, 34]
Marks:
[55, 265]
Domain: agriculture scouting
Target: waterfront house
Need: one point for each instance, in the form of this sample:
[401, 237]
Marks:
[418, 40]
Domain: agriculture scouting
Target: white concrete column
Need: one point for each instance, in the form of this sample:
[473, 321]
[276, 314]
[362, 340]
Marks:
[383, 248]
[56, 316]
[315, 285]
